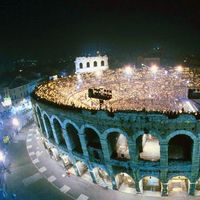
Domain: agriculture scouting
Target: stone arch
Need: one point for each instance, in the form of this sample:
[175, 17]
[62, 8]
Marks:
[111, 130]
[81, 166]
[178, 184]
[180, 132]
[40, 119]
[68, 121]
[93, 143]
[146, 174]
[83, 170]
[74, 139]
[150, 184]
[197, 187]
[95, 63]
[117, 143]
[68, 163]
[125, 182]
[102, 63]
[85, 126]
[171, 175]
[88, 64]
[57, 126]
[102, 177]
[81, 65]
[152, 132]
[48, 126]
[147, 145]
[180, 145]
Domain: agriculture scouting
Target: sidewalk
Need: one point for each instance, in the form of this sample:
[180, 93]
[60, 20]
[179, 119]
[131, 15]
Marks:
[75, 187]
[24, 180]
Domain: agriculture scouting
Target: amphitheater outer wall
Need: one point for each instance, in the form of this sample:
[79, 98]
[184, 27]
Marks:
[132, 125]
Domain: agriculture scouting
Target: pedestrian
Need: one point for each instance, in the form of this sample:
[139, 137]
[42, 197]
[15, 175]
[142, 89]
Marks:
[68, 174]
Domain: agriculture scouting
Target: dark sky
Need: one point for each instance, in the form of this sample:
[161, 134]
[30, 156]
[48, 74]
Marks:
[47, 28]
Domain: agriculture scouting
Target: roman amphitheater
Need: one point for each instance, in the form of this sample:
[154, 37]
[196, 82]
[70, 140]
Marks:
[145, 139]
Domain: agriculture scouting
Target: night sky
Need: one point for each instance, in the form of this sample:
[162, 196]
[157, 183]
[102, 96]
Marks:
[60, 28]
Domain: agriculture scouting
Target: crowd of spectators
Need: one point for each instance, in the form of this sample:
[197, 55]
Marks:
[139, 89]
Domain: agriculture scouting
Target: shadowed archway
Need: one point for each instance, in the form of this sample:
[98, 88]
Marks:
[93, 145]
[74, 139]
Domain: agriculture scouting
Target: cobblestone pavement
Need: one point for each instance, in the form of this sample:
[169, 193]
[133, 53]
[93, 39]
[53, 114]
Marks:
[74, 187]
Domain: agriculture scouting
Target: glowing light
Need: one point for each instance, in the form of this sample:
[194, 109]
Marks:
[128, 70]
[2, 157]
[179, 68]
[15, 122]
[154, 69]
[191, 108]
[7, 102]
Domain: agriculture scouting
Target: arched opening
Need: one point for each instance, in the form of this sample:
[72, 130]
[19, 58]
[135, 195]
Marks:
[80, 65]
[148, 147]
[125, 183]
[93, 145]
[95, 63]
[150, 185]
[180, 148]
[74, 139]
[118, 146]
[67, 164]
[83, 171]
[36, 117]
[54, 153]
[102, 177]
[48, 127]
[39, 115]
[197, 188]
[178, 185]
[88, 64]
[102, 63]
[59, 132]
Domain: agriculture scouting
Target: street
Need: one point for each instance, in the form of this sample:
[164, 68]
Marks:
[31, 174]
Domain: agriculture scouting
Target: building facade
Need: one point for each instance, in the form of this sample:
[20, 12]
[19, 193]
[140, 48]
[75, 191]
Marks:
[18, 89]
[91, 64]
[88, 143]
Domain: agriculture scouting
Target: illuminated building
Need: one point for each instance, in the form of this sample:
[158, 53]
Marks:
[91, 64]
[123, 145]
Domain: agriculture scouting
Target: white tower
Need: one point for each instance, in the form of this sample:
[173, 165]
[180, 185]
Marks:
[91, 64]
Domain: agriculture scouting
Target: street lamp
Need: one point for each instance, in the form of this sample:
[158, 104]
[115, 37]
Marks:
[154, 69]
[179, 68]
[128, 70]
[15, 122]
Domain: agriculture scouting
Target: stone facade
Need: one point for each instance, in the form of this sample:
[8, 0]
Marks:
[70, 131]
[91, 64]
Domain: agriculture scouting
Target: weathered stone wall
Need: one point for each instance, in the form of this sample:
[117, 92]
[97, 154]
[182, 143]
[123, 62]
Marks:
[132, 125]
